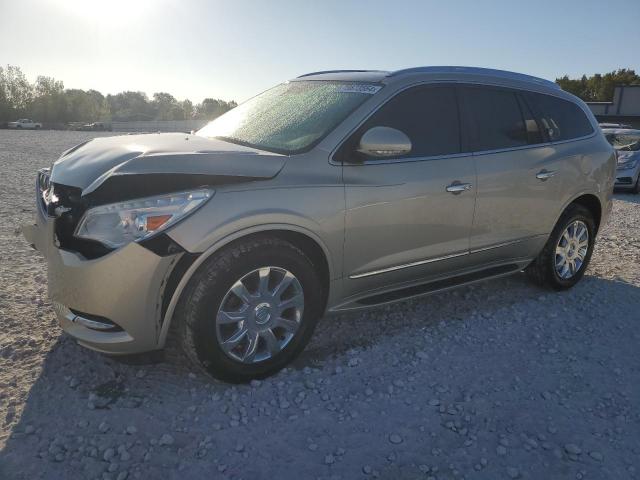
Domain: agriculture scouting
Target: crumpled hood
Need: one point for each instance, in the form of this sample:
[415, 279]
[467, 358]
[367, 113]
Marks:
[124, 161]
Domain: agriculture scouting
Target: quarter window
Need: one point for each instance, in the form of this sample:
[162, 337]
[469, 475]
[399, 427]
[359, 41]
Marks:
[560, 119]
[428, 115]
[495, 119]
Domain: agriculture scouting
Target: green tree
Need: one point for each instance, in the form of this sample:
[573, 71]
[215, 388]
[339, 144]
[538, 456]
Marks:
[49, 103]
[211, 108]
[17, 90]
[598, 87]
[166, 107]
[128, 106]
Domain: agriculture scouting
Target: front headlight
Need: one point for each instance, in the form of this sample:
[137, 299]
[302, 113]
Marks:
[119, 223]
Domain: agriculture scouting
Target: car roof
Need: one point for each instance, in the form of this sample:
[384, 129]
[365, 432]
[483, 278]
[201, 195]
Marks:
[445, 73]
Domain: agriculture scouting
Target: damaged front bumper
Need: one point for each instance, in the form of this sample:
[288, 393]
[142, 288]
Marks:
[112, 304]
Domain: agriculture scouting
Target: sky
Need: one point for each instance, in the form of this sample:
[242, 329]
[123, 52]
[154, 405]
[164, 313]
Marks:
[234, 49]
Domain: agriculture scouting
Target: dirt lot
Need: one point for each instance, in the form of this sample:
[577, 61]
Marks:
[498, 380]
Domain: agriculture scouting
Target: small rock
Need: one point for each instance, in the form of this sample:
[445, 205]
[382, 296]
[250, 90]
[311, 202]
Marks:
[131, 430]
[596, 456]
[395, 438]
[572, 449]
[109, 453]
[513, 472]
[29, 429]
[103, 427]
[329, 459]
[166, 439]
[367, 470]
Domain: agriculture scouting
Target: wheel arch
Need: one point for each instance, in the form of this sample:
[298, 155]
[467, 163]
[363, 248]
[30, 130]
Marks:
[592, 203]
[305, 240]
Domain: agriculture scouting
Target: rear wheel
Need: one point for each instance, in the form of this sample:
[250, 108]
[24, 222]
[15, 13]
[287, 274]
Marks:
[636, 188]
[250, 309]
[566, 255]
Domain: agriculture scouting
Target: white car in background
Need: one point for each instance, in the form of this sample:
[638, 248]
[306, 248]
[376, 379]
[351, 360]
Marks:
[25, 123]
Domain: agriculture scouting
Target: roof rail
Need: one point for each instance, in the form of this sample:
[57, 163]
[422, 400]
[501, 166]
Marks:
[476, 70]
[338, 71]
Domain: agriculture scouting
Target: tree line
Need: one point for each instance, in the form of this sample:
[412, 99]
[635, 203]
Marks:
[598, 87]
[48, 101]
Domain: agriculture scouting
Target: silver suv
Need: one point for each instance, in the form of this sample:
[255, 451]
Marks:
[334, 191]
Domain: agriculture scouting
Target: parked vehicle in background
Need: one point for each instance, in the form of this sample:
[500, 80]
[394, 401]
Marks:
[627, 145]
[24, 123]
[614, 125]
[334, 191]
[95, 127]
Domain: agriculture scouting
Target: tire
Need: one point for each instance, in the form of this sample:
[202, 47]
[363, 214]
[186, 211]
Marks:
[208, 292]
[636, 188]
[37, 127]
[543, 271]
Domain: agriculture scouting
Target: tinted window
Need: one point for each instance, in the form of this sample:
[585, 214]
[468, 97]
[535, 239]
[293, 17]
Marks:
[534, 135]
[494, 119]
[427, 115]
[560, 119]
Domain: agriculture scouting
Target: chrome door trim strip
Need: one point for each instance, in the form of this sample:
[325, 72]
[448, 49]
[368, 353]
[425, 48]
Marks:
[506, 244]
[437, 259]
[407, 265]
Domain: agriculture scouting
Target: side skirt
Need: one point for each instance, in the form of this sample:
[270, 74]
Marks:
[419, 290]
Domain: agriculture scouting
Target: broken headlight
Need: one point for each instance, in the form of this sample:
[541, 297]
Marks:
[119, 223]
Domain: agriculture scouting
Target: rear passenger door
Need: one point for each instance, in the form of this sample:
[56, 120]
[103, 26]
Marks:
[512, 203]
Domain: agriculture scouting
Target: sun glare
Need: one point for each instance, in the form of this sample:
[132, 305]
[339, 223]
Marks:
[108, 13]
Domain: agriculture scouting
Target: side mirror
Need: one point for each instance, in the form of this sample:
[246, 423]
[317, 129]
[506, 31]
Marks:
[384, 142]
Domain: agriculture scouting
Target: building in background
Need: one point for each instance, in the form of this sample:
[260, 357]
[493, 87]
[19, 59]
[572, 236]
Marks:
[625, 107]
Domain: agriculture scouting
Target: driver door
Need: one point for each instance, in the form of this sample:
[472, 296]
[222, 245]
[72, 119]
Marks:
[409, 217]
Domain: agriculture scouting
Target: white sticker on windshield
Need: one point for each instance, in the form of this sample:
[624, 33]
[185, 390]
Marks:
[358, 88]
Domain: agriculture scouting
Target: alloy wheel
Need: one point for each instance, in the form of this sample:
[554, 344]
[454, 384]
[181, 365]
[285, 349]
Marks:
[572, 249]
[260, 314]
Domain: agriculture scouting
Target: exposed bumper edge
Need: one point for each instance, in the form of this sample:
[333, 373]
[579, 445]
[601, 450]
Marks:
[124, 287]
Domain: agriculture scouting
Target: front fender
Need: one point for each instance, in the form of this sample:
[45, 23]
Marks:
[221, 243]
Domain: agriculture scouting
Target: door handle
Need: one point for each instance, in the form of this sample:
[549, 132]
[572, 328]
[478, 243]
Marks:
[457, 187]
[545, 174]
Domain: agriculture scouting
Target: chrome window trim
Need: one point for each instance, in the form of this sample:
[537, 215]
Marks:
[409, 159]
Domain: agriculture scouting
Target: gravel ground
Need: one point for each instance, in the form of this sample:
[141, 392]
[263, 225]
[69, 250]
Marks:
[497, 380]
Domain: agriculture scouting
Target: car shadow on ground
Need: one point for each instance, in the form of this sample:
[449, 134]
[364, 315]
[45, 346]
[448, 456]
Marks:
[79, 390]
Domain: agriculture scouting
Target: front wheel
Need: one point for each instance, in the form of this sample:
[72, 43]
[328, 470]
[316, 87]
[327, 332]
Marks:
[250, 309]
[566, 255]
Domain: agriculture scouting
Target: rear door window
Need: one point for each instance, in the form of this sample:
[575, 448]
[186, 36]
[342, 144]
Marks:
[560, 119]
[494, 119]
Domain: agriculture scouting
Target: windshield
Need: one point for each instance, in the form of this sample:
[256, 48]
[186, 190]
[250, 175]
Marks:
[291, 117]
[626, 142]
